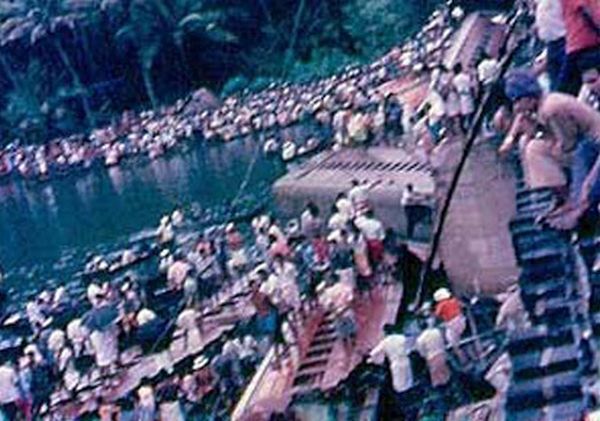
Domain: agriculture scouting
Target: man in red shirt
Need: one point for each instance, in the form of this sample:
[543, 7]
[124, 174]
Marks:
[449, 310]
[582, 20]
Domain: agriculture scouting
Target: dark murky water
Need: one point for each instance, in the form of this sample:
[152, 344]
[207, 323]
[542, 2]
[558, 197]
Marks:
[46, 229]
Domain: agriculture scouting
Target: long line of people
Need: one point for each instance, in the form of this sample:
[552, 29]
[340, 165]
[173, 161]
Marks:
[292, 118]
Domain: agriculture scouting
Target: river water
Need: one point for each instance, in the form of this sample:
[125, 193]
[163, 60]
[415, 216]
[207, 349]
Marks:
[46, 229]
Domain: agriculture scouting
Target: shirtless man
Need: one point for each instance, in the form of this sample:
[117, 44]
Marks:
[576, 129]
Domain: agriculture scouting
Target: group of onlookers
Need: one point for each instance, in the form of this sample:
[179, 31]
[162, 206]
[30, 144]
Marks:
[558, 130]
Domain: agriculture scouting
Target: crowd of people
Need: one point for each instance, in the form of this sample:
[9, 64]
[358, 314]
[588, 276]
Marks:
[551, 112]
[284, 270]
[290, 119]
[557, 126]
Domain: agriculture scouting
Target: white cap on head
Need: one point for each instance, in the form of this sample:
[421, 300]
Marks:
[441, 295]
[200, 362]
[335, 236]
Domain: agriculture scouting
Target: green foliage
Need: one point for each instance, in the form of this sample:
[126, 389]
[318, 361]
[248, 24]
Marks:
[24, 101]
[32, 106]
[235, 84]
[377, 25]
[156, 26]
[322, 63]
[167, 47]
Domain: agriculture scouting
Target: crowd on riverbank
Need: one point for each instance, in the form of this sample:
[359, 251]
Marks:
[283, 270]
[290, 119]
[61, 361]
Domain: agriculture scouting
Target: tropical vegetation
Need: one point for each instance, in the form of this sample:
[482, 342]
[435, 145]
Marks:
[69, 65]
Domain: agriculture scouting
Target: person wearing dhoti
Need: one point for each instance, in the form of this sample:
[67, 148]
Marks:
[431, 346]
[188, 324]
[374, 234]
[238, 260]
[105, 348]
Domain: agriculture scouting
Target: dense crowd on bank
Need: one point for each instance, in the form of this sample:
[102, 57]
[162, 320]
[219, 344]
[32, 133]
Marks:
[290, 119]
[284, 270]
[71, 360]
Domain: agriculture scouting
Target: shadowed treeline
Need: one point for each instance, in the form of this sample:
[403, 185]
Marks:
[69, 65]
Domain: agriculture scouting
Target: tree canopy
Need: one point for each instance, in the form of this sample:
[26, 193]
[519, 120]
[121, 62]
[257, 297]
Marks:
[67, 65]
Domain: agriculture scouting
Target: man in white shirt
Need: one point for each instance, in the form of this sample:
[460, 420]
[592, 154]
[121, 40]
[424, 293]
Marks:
[374, 232]
[395, 349]
[359, 196]
[370, 227]
[465, 88]
[344, 206]
[487, 71]
[431, 346]
[9, 390]
[551, 30]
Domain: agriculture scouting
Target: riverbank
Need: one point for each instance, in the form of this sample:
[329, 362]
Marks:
[49, 229]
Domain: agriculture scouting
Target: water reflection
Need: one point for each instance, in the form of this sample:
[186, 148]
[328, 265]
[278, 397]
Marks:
[42, 224]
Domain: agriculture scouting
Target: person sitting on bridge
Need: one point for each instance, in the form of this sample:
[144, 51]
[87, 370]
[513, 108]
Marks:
[576, 129]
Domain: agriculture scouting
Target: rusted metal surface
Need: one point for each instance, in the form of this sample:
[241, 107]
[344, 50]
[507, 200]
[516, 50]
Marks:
[323, 177]
[322, 360]
[477, 33]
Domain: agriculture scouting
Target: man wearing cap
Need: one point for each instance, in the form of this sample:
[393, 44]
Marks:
[575, 127]
[449, 310]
